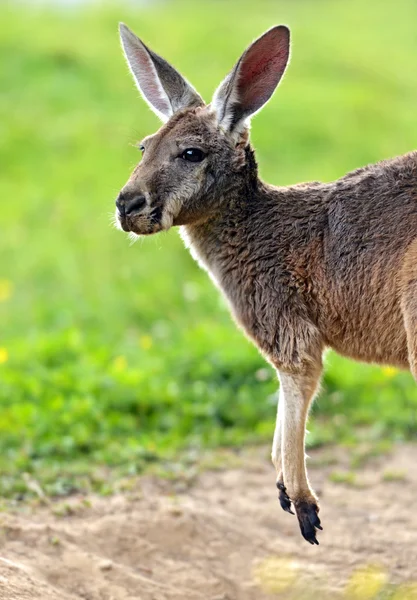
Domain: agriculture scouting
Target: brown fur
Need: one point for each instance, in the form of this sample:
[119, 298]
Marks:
[304, 268]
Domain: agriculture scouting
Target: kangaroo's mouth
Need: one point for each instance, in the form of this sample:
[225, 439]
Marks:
[125, 223]
[145, 224]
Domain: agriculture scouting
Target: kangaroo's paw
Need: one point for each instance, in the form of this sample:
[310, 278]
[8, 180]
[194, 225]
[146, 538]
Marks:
[284, 499]
[307, 513]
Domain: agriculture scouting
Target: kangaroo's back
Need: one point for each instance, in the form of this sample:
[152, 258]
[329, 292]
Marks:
[372, 221]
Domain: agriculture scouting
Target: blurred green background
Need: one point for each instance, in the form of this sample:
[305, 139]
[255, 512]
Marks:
[118, 354]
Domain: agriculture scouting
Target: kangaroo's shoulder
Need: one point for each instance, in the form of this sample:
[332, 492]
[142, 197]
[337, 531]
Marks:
[397, 168]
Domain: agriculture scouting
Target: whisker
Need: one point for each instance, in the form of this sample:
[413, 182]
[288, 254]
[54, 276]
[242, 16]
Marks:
[133, 238]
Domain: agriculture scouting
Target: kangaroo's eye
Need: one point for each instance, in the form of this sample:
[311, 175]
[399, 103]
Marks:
[141, 148]
[194, 155]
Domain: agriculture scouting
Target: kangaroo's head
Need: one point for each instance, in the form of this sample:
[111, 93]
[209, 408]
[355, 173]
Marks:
[195, 158]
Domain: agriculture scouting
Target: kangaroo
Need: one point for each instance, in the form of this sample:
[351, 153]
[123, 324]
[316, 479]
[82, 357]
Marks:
[303, 268]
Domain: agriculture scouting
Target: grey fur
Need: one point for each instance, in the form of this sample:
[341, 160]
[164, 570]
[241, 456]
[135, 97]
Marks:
[165, 90]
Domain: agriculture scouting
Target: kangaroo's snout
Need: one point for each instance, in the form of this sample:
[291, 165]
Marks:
[135, 212]
[130, 203]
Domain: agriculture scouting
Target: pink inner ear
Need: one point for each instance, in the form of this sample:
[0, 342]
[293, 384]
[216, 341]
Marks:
[148, 81]
[262, 67]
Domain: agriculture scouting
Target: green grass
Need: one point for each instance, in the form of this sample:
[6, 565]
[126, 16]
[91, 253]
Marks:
[116, 355]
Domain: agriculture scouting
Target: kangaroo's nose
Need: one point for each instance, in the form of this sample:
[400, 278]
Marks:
[127, 205]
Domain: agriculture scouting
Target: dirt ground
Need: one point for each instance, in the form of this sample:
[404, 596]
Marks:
[221, 537]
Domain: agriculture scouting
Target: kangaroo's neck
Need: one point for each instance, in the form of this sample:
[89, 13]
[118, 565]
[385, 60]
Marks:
[254, 223]
[219, 239]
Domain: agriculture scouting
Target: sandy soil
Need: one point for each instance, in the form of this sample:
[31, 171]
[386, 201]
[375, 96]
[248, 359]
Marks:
[223, 537]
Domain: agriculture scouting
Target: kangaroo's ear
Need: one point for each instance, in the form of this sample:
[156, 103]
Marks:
[253, 80]
[163, 88]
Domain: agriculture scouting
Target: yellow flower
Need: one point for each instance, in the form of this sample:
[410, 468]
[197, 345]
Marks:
[275, 575]
[366, 583]
[4, 355]
[145, 342]
[6, 289]
[389, 371]
[120, 364]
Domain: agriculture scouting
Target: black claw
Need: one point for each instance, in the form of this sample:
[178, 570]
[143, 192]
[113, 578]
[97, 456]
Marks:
[314, 518]
[286, 504]
[309, 534]
[284, 499]
[308, 520]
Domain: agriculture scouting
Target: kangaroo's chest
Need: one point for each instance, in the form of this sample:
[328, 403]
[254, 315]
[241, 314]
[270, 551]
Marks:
[258, 290]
